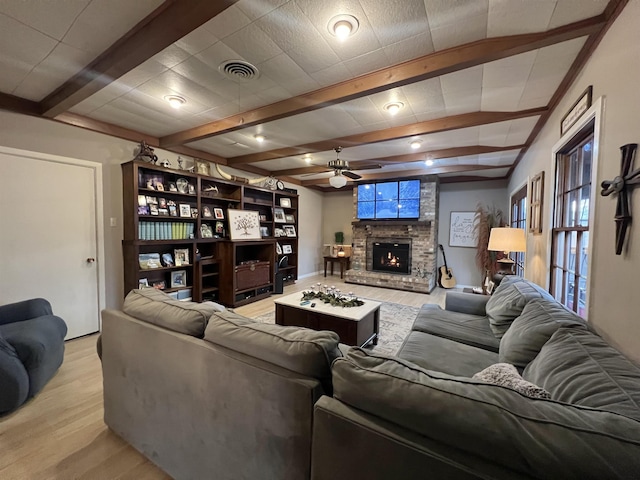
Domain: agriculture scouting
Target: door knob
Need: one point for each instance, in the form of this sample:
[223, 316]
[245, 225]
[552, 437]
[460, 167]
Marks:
[91, 260]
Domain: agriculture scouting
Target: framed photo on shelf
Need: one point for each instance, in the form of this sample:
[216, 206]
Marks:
[263, 218]
[172, 187]
[287, 249]
[206, 211]
[143, 209]
[160, 285]
[278, 215]
[202, 167]
[142, 200]
[181, 256]
[185, 210]
[153, 209]
[278, 232]
[290, 230]
[167, 259]
[179, 278]
[289, 218]
[244, 225]
[285, 202]
[143, 283]
[191, 189]
[219, 228]
[218, 213]
[278, 249]
[205, 231]
[173, 211]
[264, 231]
[194, 212]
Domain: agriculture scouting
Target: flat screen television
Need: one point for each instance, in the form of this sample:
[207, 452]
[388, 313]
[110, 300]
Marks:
[386, 200]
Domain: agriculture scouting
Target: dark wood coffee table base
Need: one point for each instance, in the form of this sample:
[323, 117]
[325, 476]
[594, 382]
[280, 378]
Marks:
[354, 333]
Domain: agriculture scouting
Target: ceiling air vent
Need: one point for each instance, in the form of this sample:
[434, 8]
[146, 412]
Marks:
[239, 70]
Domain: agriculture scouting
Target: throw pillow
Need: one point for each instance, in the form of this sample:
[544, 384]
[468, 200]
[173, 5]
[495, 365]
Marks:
[506, 375]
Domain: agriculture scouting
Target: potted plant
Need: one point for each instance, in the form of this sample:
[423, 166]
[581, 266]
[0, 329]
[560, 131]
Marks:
[485, 219]
[339, 237]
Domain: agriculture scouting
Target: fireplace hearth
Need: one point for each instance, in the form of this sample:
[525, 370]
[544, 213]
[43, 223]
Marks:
[391, 257]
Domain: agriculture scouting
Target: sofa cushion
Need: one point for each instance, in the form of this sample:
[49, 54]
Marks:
[305, 351]
[444, 355]
[509, 300]
[154, 306]
[461, 327]
[13, 378]
[577, 366]
[539, 320]
[531, 436]
[506, 375]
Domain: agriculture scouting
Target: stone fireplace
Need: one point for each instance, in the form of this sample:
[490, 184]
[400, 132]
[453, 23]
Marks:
[416, 259]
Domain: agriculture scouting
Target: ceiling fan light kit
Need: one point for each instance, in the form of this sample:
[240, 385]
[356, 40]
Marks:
[337, 181]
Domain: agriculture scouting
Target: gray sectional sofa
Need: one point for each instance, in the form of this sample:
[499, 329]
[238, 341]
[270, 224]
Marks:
[206, 393]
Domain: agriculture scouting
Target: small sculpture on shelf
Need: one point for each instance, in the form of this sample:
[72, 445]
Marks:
[146, 153]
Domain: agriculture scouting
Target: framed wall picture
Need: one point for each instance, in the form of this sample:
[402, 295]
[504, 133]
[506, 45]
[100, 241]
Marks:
[178, 278]
[285, 202]
[287, 249]
[244, 225]
[461, 231]
[577, 109]
[218, 213]
[278, 215]
[536, 196]
[290, 231]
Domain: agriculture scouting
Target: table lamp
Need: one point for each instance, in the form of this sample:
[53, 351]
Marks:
[506, 239]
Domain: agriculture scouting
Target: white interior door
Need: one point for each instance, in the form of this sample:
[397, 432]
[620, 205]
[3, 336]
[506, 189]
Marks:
[48, 237]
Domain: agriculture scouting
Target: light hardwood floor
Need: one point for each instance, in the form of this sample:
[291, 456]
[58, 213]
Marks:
[60, 434]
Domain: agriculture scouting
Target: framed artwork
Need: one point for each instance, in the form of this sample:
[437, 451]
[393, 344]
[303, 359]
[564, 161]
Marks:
[206, 212]
[181, 256]
[290, 231]
[202, 167]
[178, 278]
[536, 196]
[577, 109]
[143, 209]
[278, 215]
[185, 210]
[461, 231]
[278, 249]
[218, 213]
[285, 202]
[287, 249]
[244, 225]
[289, 218]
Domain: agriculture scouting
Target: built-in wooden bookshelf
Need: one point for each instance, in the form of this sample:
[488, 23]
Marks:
[170, 214]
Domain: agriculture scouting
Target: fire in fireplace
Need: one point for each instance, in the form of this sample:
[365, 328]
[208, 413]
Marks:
[391, 257]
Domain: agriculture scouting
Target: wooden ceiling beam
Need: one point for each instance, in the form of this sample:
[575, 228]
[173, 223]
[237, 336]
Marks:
[19, 105]
[454, 122]
[165, 25]
[412, 71]
[409, 173]
[408, 158]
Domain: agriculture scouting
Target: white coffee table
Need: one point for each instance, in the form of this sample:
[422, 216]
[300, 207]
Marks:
[356, 326]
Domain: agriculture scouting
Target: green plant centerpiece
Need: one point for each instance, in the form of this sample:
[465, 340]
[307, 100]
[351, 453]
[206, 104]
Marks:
[332, 296]
[485, 219]
[339, 236]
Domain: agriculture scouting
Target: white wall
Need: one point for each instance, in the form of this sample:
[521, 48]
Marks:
[48, 136]
[337, 216]
[464, 197]
[614, 72]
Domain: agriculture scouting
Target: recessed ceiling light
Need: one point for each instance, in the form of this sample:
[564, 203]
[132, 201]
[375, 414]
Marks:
[343, 26]
[428, 162]
[393, 107]
[176, 101]
[415, 144]
[307, 157]
[259, 138]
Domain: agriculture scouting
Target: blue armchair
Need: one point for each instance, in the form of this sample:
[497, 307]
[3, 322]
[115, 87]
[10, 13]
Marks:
[31, 350]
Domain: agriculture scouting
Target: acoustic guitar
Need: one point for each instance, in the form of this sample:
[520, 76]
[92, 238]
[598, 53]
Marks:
[445, 274]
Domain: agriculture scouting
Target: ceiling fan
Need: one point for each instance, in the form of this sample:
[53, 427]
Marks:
[341, 167]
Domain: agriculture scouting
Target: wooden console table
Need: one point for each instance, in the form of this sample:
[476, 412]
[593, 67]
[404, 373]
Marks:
[345, 263]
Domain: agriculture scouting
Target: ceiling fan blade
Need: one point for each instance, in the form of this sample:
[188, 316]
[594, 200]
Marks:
[369, 166]
[351, 175]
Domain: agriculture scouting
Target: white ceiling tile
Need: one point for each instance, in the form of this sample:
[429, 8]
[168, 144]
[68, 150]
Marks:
[155, 125]
[409, 48]
[196, 41]
[255, 10]
[520, 129]
[569, 11]
[367, 63]
[21, 44]
[61, 64]
[494, 134]
[198, 99]
[529, 101]
[331, 75]
[463, 101]
[464, 80]
[51, 18]
[227, 22]
[171, 56]
[447, 12]
[105, 21]
[146, 71]
[281, 69]
[496, 75]
[288, 27]
[274, 94]
[501, 99]
[203, 74]
[565, 51]
[300, 85]
[386, 18]
[13, 73]
[364, 111]
[507, 17]
[252, 44]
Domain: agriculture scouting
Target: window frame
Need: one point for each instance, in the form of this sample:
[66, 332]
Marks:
[518, 219]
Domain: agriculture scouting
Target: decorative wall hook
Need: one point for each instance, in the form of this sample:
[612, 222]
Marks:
[622, 186]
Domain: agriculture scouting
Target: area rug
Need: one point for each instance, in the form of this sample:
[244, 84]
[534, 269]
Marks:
[395, 324]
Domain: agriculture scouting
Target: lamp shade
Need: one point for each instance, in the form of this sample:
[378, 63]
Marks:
[505, 239]
[337, 181]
